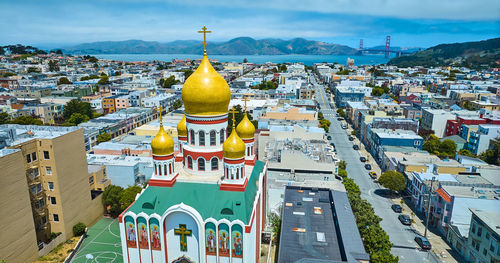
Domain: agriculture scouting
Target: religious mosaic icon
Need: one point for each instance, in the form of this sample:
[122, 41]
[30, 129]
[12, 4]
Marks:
[211, 239]
[131, 236]
[155, 234]
[223, 240]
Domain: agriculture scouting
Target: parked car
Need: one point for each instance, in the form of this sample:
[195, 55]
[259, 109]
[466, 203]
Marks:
[423, 242]
[344, 126]
[362, 158]
[405, 219]
[373, 175]
[329, 137]
[351, 138]
[339, 118]
[368, 166]
[397, 208]
[355, 147]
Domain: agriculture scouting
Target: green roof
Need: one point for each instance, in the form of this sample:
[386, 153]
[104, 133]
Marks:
[207, 199]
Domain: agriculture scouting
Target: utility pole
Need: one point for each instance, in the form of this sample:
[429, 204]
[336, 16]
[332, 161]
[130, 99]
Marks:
[429, 207]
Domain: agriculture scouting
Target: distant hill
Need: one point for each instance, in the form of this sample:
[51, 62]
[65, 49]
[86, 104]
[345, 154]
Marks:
[484, 53]
[237, 46]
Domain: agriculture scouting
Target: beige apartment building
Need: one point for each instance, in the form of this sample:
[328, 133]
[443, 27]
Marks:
[18, 238]
[60, 188]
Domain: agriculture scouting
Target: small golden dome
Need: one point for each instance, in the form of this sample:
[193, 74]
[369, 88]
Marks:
[206, 92]
[234, 147]
[162, 143]
[245, 128]
[181, 127]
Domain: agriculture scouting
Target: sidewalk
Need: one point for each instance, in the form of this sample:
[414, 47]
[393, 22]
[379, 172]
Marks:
[439, 246]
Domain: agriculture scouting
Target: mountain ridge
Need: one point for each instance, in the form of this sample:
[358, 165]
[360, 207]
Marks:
[236, 46]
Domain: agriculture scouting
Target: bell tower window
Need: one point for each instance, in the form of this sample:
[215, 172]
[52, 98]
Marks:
[201, 134]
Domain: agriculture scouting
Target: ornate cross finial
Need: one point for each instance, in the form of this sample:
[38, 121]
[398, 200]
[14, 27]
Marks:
[204, 31]
[245, 99]
[160, 109]
[233, 111]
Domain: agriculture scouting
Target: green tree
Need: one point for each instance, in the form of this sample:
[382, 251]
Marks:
[342, 165]
[79, 229]
[245, 60]
[393, 181]
[4, 117]
[26, 120]
[127, 196]
[448, 148]
[63, 81]
[341, 112]
[111, 200]
[283, 68]
[325, 124]
[342, 173]
[76, 106]
[53, 66]
[33, 70]
[466, 152]
[168, 82]
[77, 118]
[492, 155]
[432, 144]
[103, 137]
[320, 115]
[187, 73]
[177, 104]
[103, 81]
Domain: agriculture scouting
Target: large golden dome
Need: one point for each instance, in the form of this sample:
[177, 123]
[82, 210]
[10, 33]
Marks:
[206, 92]
[234, 147]
[245, 128]
[181, 127]
[162, 143]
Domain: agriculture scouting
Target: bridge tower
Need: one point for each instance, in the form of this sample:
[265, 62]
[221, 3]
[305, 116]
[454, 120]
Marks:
[387, 46]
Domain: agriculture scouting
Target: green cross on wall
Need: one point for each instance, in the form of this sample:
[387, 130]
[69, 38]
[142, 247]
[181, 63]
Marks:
[182, 232]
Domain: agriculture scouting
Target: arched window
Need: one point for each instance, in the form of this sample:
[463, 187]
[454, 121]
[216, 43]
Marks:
[237, 173]
[201, 164]
[170, 168]
[156, 169]
[212, 138]
[201, 134]
[190, 162]
[191, 139]
[215, 163]
[221, 136]
[165, 169]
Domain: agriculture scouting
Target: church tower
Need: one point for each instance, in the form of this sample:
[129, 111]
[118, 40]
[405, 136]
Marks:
[246, 130]
[162, 147]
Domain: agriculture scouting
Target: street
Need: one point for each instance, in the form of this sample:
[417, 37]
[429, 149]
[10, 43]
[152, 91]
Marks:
[400, 235]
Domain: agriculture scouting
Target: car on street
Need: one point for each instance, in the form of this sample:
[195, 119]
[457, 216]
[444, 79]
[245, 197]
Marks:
[355, 147]
[362, 159]
[405, 219]
[329, 137]
[373, 175]
[339, 118]
[368, 166]
[423, 242]
[397, 208]
[351, 138]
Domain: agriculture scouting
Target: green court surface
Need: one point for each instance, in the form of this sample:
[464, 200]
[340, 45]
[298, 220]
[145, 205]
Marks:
[102, 243]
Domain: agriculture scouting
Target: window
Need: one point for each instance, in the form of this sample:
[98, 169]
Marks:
[28, 158]
[48, 170]
[221, 136]
[479, 231]
[487, 236]
[201, 164]
[46, 155]
[91, 180]
[485, 251]
[215, 163]
[33, 156]
[473, 229]
[212, 138]
[55, 217]
[53, 200]
[191, 137]
[201, 134]
[51, 185]
[446, 219]
[190, 162]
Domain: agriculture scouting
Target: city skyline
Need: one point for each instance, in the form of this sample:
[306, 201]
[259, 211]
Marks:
[411, 24]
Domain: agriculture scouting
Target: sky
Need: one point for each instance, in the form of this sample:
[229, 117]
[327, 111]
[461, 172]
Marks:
[410, 23]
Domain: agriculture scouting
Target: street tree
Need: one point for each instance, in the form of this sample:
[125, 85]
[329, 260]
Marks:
[76, 106]
[103, 137]
[448, 148]
[111, 200]
[63, 81]
[77, 118]
[393, 181]
[127, 196]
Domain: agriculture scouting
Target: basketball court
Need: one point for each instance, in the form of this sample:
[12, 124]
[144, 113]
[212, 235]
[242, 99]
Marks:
[102, 243]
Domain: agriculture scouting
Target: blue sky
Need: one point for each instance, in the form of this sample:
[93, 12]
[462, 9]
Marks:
[410, 23]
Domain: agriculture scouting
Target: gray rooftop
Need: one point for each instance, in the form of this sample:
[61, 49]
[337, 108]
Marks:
[318, 226]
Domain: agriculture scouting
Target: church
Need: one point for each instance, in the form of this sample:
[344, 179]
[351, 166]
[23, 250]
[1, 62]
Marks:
[207, 203]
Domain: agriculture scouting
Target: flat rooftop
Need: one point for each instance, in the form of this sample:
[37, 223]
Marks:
[318, 225]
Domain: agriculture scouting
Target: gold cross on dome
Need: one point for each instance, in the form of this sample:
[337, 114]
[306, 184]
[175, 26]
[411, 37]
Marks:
[204, 31]
[160, 109]
[233, 111]
[245, 99]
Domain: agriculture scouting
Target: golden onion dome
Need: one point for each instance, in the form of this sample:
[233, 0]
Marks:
[162, 143]
[205, 92]
[234, 147]
[181, 127]
[245, 128]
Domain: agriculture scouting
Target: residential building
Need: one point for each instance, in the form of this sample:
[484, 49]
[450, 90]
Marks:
[453, 127]
[435, 120]
[109, 104]
[483, 242]
[318, 225]
[98, 180]
[479, 141]
[32, 92]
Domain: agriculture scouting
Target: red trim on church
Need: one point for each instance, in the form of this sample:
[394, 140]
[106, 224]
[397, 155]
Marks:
[251, 162]
[234, 161]
[234, 187]
[182, 138]
[248, 228]
[163, 158]
[165, 183]
[206, 155]
[203, 122]
[179, 158]
[248, 140]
